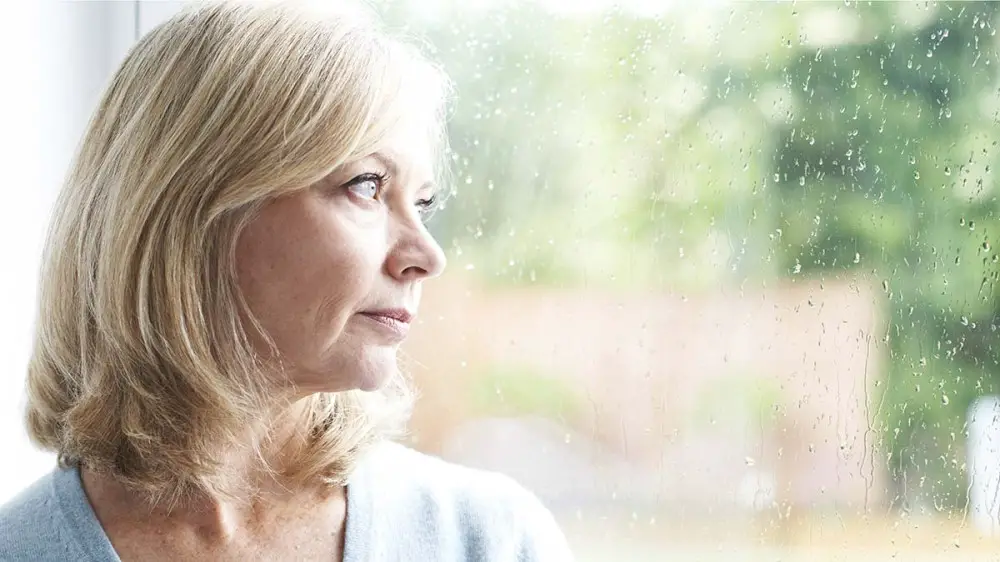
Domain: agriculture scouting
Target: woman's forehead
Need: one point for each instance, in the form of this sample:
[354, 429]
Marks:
[406, 151]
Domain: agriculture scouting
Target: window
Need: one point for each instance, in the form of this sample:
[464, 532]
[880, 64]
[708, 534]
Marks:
[722, 275]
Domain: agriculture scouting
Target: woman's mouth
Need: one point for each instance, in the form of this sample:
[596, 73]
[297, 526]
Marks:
[393, 322]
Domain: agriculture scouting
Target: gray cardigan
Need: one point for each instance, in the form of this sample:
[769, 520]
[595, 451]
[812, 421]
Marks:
[401, 505]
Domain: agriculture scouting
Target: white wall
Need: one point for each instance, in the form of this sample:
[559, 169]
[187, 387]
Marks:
[55, 57]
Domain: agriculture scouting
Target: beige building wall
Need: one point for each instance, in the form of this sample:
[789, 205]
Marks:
[744, 397]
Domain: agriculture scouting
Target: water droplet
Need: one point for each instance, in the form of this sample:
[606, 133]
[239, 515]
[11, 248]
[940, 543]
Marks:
[885, 285]
[944, 400]
[857, 257]
[750, 461]
[947, 170]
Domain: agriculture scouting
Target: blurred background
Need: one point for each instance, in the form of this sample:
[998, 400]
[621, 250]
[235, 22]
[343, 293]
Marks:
[722, 274]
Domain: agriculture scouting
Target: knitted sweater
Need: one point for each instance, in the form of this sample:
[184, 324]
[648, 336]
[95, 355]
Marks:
[401, 505]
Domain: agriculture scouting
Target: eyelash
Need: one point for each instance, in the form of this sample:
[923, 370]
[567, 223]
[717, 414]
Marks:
[425, 206]
[428, 205]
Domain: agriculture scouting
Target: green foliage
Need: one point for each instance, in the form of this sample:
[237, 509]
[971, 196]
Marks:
[732, 402]
[517, 391]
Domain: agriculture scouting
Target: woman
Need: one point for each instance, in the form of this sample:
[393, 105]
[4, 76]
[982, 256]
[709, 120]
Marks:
[235, 258]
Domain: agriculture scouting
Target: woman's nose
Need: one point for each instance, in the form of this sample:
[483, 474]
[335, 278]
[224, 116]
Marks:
[415, 255]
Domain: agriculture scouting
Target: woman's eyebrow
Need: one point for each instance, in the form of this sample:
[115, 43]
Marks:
[385, 160]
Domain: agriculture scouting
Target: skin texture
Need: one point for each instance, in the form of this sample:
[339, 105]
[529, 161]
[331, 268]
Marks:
[309, 265]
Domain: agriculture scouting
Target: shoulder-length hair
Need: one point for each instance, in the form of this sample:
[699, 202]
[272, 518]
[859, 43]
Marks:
[142, 364]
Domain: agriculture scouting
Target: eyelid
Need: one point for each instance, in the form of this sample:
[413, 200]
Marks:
[379, 176]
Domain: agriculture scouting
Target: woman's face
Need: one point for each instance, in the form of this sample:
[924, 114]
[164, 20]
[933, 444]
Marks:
[333, 272]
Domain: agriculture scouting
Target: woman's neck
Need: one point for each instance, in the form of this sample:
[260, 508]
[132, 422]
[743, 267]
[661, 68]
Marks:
[256, 490]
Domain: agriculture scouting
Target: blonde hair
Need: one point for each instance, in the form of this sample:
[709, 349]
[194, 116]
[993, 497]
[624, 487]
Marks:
[141, 365]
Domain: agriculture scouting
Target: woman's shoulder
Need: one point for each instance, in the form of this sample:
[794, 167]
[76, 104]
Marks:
[489, 513]
[33, 523]
[403, 471]
[416, 471]
[26, 521]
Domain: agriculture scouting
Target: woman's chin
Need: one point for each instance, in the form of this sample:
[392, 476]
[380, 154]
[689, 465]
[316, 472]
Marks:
[367, 368]
[371, 371]
[375, 373]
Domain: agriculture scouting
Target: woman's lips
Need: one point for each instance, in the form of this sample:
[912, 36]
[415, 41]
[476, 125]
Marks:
[401, 314]
[394, 323]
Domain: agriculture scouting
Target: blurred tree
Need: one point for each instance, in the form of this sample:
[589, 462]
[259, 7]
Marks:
[886, 171]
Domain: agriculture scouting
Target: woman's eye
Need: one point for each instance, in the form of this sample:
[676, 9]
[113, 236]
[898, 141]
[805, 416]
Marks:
[366, 186]
[428, 205]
